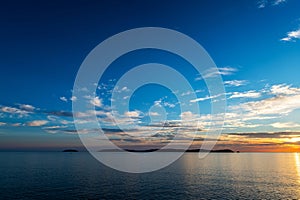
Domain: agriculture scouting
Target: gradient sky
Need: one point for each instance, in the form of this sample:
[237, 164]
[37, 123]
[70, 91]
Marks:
[255, 45]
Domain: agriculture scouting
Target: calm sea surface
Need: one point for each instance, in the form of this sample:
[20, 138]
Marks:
[218, 176]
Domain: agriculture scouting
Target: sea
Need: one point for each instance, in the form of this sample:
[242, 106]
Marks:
[71, 175]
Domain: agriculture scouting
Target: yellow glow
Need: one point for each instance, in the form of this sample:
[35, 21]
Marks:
[296, 139]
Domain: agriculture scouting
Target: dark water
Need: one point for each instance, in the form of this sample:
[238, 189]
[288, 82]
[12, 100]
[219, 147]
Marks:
[218, 176]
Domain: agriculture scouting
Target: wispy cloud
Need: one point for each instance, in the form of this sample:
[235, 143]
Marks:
[116, 89]
[265, 3]
[37, 123]
[14, 111]
[214, 72]
[205, 98]
[27, 107]
[72, 98]
[278, 105]
[264, 134]
[235, 83]
[124, 89]
[60, 113]
[262, 3]
[132, 114]
[277, 2]
[63, 99]
[170, 105]
[277, 101]
[284, 89]
[81, 131]
[285, 125]
[55, 127]
[190, 92]
[247, 94]
[154, 114]
[16, 124]
[292, 36]
[21, 110]
[161, 103]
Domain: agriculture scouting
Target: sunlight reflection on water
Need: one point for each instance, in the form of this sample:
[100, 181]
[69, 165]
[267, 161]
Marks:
[297, 163]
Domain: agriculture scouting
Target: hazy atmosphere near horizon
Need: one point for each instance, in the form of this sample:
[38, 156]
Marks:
[254, 44]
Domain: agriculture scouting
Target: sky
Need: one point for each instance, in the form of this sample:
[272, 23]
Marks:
[254, 44]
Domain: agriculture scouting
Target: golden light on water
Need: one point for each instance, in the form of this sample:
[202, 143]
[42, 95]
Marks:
[297, 163]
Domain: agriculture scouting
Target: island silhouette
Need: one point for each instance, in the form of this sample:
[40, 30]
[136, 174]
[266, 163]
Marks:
[70, 150]
[168, 150]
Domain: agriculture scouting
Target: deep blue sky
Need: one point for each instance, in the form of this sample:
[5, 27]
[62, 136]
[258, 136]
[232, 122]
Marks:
[44, 43]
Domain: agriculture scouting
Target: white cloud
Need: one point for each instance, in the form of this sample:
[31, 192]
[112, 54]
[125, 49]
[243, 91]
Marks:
[125, 89]
[52, 118]
[186, 93]
[127, 119]
[96, 102]
[285, 125]
[65, 122]
[262, 3]
[133, 114]
[283, 89]
[154, 114]
[200, 99]
[63, 99]
[197, 91]
[160, 102]
[205, 98]
[157, 103]
[54, 127]
[23, 110]
[226, 70]
[170, 105]
[188, 115]
[291, 36]
[27, 107]
[37, 123]
[279, 105]
[190, 92]
[284, 100]
[12, 110]
[16, 124]
[277, 2]
[265, 3]
[248, 94]
[120, 90]
[51, 131]
[2, 124]
[214, 72]
[73, 98]
[235, 83]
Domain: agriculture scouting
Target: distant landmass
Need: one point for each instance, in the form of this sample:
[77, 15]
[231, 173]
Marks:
[70, 150]
[170, 150]
[212, 151]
